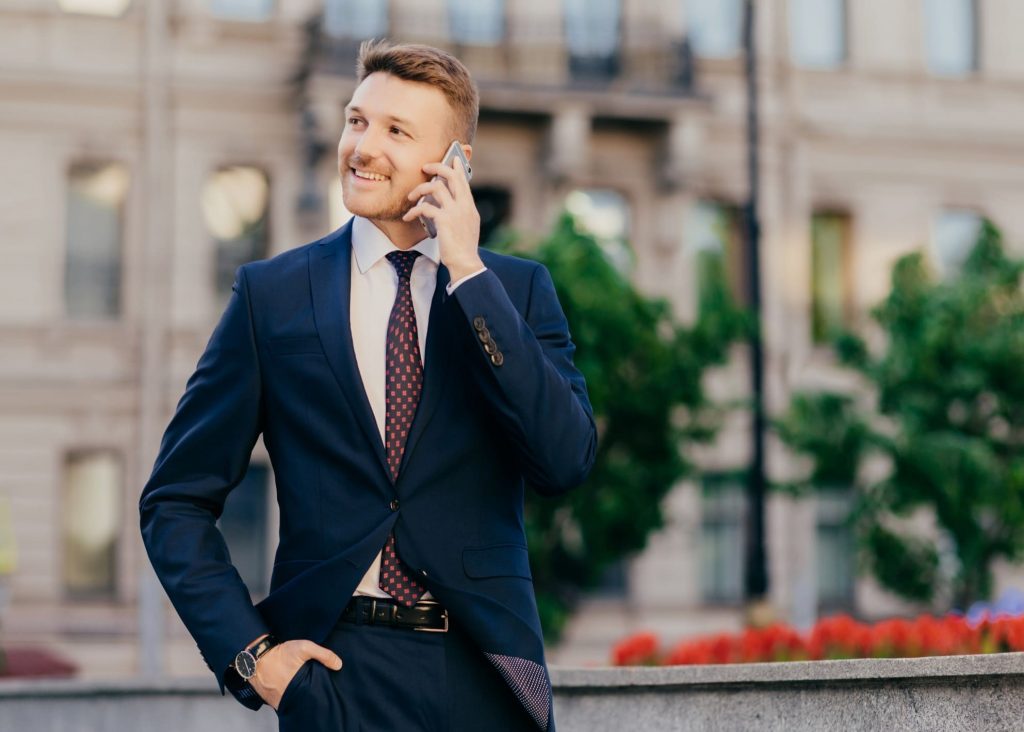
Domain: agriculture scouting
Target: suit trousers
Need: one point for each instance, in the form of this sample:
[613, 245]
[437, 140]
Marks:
[401, 680]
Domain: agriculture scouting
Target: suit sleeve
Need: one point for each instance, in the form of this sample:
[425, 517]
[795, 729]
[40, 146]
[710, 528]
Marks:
[529, 380]
[204, 454]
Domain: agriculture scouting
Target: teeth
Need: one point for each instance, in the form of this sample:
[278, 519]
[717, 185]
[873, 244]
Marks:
[368, 175]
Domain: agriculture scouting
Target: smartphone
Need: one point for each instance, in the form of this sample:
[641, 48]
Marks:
[454, 151]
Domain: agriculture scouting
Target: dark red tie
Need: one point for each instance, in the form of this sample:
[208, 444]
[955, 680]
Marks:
[402, 395]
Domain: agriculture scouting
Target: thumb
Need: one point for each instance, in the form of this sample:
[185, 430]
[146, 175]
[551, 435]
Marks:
[324, 655]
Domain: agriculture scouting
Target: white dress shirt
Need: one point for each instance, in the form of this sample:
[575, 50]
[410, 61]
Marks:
[373, 290]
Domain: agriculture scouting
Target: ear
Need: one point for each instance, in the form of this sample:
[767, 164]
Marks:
[468, 150]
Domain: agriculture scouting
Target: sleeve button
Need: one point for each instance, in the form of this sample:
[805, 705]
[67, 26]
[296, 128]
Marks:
[479, 323]
[497, 358]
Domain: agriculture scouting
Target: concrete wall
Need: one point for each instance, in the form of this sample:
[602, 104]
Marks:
[975, 693]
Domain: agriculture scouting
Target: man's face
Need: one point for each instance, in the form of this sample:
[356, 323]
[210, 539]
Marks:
[393, 128]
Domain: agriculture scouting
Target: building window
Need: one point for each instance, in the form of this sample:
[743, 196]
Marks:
[817, 33]
[477, 22]
[954, 234]
[244, 524]
[592, 35]
[951, 36]
[714, 233]
[835, 550]
[723, 514]
[714, 27]
[359, 20]
[110, 8]
[830, 275]
[235, 203]
[604, 214]
[90, 523]
[95, 229]
[250, 10]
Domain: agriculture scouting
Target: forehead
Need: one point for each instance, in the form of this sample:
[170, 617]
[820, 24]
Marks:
[385, 95]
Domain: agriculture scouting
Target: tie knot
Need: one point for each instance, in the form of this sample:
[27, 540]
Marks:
[402, 262]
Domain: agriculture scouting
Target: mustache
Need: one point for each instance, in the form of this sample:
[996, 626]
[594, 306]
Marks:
[356, 161]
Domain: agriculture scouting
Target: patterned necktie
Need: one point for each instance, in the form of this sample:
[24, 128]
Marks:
[402, 395]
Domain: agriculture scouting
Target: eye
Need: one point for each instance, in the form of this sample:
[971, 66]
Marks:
[354, 120]
[396, 130]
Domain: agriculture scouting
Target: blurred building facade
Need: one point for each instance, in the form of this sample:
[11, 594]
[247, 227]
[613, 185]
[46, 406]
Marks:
[151, 148]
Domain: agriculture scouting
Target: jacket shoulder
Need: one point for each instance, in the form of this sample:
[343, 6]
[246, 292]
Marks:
[290, 263]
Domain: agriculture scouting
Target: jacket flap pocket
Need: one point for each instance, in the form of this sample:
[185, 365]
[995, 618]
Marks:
[295, 344]
[499, 560]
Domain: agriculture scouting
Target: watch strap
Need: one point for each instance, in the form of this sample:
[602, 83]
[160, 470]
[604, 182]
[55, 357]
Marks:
[254, 651]
[260, 647]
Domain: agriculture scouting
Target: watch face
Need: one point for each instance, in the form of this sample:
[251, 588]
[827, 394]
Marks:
[245, 665]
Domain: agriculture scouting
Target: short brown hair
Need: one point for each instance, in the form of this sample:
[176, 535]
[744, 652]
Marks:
[427, 65]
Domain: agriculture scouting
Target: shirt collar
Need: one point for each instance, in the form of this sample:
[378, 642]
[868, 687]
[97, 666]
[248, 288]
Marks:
[371, 245]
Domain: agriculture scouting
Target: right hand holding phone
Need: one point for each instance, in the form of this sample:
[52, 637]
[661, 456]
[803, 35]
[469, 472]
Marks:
[454, 215]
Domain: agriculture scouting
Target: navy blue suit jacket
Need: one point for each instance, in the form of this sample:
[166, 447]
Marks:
[281, 363]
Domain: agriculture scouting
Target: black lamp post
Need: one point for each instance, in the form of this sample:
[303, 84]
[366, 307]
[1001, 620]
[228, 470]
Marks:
[756, 566]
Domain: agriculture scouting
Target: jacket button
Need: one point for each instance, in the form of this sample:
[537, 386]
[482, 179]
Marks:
[490, 348]
[394, 505]
[484, 335]
[479, 323]
[497, 358]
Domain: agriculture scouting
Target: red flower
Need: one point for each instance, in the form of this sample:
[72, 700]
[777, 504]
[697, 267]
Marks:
[836, 637]
[640, 649]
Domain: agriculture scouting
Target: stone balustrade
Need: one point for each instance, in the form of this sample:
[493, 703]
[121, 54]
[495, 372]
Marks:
[974, 693]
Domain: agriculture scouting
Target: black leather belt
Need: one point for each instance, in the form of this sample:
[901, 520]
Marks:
[425, 615]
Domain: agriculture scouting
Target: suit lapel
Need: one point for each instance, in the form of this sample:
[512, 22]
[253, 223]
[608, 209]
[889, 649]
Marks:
[435, 363]
[330, 278]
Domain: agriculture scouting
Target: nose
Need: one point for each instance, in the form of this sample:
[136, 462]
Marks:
[368, 144]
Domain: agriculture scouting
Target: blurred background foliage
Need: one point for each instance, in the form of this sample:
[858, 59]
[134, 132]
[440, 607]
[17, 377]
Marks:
[644, 374]
[945, 419]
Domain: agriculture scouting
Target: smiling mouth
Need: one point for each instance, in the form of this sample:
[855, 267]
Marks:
[367, 175]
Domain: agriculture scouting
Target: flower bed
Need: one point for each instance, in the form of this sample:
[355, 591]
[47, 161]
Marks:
[831, 638]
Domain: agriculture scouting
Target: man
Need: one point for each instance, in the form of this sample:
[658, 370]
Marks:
[406, 388]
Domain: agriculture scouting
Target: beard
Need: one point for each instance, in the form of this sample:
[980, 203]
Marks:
[386, 204]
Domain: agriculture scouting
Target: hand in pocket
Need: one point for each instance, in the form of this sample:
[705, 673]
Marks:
[278, 666]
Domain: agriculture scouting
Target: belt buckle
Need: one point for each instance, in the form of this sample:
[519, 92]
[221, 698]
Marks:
[436, 630]
[392, 616]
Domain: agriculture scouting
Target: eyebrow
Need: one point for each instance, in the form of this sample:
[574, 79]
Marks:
[391, 118]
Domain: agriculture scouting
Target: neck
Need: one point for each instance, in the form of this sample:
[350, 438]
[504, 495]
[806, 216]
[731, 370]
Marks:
[402, 234]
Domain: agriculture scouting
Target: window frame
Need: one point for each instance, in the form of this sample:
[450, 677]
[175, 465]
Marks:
[271, 14]
[843, 59]
[846, 277]
[730, 482]
[113, 593]
[848, 601]
[734, 52]
[975, 39]
[122, 248]
[221, 296]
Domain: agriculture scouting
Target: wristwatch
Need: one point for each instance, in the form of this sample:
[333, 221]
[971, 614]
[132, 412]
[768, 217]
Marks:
[245, 661]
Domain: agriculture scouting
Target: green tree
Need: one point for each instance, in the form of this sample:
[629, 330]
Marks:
[644, 374]
[948, 419]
